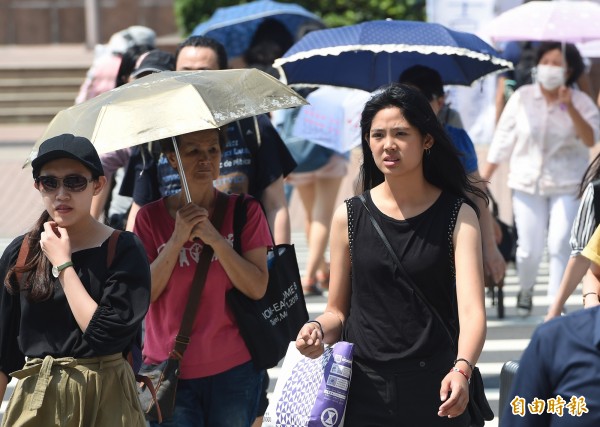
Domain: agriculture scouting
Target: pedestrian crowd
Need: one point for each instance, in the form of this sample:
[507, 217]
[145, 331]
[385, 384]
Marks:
[99, 284]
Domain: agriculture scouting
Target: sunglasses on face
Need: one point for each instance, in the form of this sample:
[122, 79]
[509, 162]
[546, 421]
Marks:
[75, 183]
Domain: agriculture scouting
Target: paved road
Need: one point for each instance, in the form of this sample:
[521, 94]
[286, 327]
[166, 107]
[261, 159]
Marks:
[506, 339]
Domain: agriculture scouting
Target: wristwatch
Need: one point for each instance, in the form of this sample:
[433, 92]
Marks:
[56, 270]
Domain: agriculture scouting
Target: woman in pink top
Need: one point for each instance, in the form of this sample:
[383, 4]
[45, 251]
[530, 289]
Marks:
[219, 385]
[545, 132]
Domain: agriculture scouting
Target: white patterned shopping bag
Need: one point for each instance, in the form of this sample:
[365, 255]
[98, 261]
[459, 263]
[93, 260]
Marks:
[311, 392]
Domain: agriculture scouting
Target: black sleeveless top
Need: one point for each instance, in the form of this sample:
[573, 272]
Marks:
[387, 320]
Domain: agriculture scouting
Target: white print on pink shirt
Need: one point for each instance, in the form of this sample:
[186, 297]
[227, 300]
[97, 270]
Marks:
[194, 252]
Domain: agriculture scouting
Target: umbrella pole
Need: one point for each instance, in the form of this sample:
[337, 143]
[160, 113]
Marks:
[563, 48]
[184, 185]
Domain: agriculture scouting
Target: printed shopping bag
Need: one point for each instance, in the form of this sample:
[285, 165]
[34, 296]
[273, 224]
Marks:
[311, 392]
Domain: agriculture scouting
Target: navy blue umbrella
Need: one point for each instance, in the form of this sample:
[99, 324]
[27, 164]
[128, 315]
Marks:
[234, 26]
[369, 55]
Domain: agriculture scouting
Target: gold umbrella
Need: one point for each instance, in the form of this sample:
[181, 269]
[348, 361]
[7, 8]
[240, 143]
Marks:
[168, 104]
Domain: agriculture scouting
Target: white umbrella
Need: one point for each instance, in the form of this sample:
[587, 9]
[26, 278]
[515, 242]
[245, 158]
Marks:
[565, 21]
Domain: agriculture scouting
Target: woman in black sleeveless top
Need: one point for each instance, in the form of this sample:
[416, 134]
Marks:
[407, 369]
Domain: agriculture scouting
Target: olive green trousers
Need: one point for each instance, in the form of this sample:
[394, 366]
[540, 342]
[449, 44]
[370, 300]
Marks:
[68, 392]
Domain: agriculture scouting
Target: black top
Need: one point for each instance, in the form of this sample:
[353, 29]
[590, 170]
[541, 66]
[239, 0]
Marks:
[38, 329]
[245, 167]
[387, 320]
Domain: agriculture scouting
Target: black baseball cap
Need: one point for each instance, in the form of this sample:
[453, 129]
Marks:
[68, 146]
[155, 61]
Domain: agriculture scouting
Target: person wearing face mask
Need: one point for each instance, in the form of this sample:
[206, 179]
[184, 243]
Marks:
[544, 133]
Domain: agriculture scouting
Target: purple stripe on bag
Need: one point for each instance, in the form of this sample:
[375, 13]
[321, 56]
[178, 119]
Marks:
[311, 392]
[330, 404]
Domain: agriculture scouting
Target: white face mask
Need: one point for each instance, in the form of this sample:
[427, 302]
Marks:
[550, 76]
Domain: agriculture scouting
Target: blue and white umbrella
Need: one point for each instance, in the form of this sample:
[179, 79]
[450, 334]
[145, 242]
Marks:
[368, 55]
[234, 26]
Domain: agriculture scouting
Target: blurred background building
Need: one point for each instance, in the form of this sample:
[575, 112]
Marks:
[80, 21]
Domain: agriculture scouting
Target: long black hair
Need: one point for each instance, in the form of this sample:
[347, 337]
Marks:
[441, 166]
[592, 173]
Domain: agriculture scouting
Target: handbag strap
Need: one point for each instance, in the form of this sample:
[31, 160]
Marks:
[22, 259]
[112, 247]
[239, 220]
[183, 337]
[407, 277]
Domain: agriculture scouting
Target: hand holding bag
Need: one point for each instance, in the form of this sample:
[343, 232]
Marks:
[311, 392]
[163, 377]
[478, 406]
[268, 325]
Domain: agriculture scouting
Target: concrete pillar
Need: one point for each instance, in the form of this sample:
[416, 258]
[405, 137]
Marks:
[92, 23]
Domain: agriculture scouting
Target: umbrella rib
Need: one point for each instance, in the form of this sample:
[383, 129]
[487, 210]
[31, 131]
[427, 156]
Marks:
[98, 123]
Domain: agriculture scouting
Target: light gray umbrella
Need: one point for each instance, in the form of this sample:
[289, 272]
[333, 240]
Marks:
[171, 103]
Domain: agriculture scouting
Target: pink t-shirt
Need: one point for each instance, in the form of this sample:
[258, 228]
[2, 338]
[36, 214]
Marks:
[215, 345]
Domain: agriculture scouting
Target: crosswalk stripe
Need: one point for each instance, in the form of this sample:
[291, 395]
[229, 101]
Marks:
[505, 345]
[516, 321]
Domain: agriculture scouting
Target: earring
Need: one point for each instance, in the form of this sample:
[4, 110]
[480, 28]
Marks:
[428, 151]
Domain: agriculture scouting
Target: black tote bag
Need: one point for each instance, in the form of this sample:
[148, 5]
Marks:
[269, 324]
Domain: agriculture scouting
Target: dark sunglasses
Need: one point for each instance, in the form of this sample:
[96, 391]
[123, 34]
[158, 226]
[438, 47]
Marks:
[75, 183]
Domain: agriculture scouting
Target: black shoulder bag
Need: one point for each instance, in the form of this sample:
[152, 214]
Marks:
[478, 406]
[269, 324]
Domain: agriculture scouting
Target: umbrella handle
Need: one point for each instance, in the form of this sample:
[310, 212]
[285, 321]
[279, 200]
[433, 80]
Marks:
[184, 184]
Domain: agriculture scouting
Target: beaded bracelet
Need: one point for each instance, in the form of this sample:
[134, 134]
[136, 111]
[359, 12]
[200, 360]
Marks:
[590, 293]
[460, 371]
[320, 327]
[463, 360]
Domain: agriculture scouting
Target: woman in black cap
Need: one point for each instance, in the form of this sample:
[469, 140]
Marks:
[74, 296]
